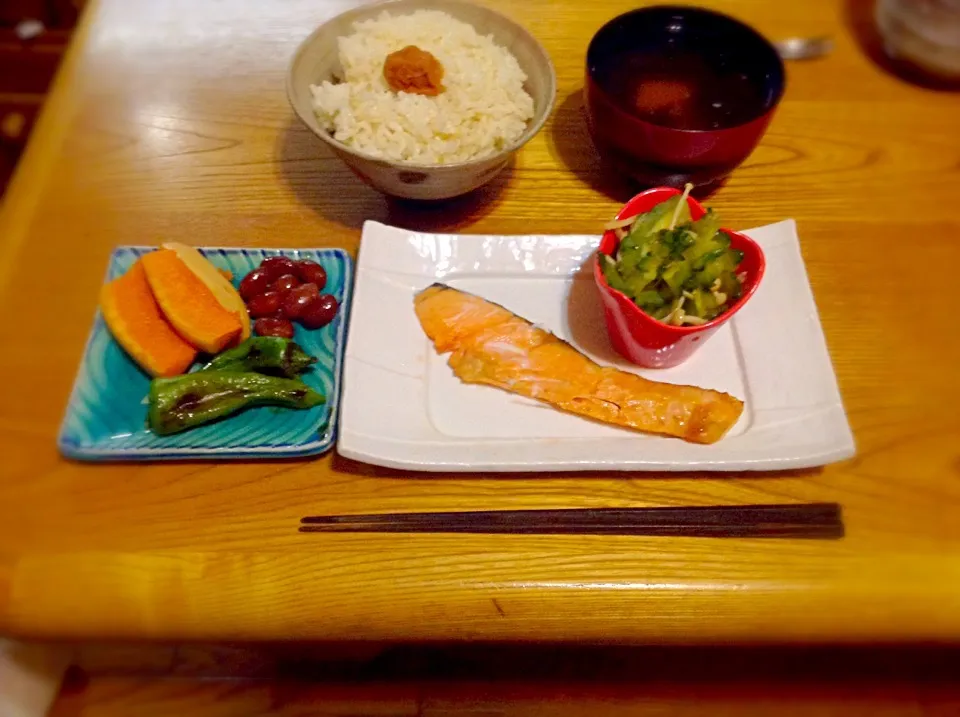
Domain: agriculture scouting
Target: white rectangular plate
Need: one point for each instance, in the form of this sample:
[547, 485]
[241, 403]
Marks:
[402, 406]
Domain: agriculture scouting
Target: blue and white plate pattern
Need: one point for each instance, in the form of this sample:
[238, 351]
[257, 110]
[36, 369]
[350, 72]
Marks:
[106, 416]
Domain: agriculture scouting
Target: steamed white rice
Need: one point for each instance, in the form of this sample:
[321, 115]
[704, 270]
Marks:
[483, 109]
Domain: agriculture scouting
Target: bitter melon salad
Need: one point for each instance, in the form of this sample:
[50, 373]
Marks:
[679, 271]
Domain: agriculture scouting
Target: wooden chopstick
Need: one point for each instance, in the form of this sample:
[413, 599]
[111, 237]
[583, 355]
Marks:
[800, 520]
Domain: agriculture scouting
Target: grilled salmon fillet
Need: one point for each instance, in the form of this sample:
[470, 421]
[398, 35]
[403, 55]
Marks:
[490, 345]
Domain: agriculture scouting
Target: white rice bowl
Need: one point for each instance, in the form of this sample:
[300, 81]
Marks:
[483, 109]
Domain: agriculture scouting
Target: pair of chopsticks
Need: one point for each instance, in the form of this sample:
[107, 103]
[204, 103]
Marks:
[801, 520]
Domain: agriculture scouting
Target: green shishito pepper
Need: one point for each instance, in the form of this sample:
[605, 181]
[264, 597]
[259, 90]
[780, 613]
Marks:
[187, 401]
[265, 354]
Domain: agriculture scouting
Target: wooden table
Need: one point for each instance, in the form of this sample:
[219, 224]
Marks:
[169, 121]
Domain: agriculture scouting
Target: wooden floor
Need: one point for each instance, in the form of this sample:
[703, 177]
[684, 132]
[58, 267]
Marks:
[27, 68]
[149, 697]
[515, 682]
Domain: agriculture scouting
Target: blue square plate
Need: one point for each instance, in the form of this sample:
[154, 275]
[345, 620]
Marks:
[107, 411]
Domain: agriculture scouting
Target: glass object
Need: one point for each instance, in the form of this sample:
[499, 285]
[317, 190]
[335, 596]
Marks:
[925, 34]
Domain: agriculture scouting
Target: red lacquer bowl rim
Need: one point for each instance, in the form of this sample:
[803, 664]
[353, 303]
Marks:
[630, 209]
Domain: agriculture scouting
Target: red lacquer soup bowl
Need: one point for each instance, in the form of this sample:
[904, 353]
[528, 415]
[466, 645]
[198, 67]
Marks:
[669, 148]
[644, 340]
